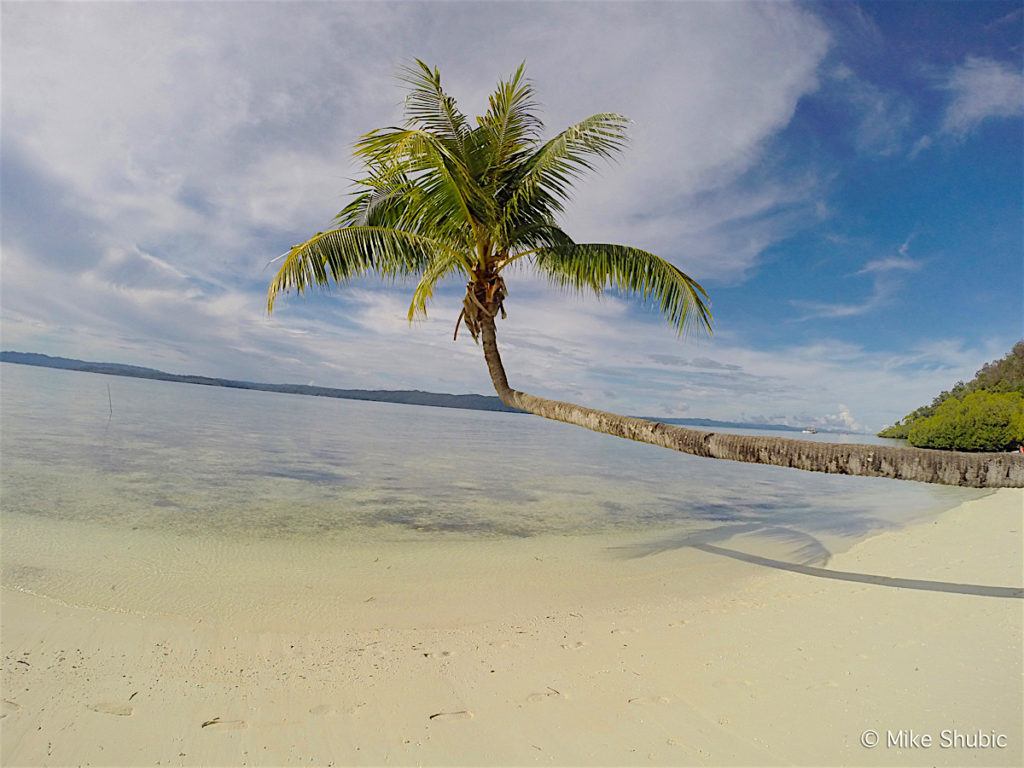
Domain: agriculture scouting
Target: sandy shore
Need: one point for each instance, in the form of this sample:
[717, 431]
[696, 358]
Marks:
[679, 657]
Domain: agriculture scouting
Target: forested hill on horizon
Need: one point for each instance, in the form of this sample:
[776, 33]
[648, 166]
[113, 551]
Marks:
[983, 414]
[469, 402]
[408, 397]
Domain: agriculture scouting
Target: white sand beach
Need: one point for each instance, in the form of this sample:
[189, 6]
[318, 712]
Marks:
[679, 657]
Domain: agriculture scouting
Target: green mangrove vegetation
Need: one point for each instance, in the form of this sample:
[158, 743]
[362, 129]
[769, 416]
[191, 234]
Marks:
[984, 414]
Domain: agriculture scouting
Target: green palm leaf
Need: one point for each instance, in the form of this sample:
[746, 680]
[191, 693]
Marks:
[385, 194]
[545, 178]
[596, 266]
[341, 254]
[509, 128]
[444, 266]
[436, 168]
[429, 108]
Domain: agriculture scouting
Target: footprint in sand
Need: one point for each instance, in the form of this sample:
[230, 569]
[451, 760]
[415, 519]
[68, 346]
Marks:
[574, 646]
[110, 708]
[641, 700]
[462, 714]
[9, 708]
[225, 725]
[323, 710]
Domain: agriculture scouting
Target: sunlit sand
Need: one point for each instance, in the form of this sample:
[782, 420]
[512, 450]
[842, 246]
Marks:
[553, 651]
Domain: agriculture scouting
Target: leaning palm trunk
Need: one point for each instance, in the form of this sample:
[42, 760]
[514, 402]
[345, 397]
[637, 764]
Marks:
[977, 470]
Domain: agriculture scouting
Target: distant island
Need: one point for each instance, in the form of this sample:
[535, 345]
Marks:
[407, 397]
[985, 414]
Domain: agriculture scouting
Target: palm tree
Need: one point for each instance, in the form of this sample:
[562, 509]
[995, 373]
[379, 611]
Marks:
[442, 197]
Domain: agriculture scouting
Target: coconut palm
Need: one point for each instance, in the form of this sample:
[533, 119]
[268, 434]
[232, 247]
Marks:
[442, 197]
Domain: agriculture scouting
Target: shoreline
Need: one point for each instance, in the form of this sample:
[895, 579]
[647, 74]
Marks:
[671, 658]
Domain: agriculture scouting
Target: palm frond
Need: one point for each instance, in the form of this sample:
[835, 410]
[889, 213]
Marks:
[386, 192]
[429, 108]
[596, 266]
[341, 254]
[436, 168]
[509, 127]
[439, 268]
[549, 173]
[530, 237]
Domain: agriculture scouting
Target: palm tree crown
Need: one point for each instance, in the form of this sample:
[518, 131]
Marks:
[441, 197]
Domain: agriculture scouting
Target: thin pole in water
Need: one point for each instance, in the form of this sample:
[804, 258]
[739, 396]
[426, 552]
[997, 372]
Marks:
[110, 400]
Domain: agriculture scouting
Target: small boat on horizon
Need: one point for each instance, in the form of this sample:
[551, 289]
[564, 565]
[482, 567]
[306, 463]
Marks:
[810, 431]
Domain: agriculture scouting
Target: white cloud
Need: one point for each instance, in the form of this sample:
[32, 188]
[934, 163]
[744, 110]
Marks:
[881, 117]
[844, 419]
[880, 294]
[981, 89]
[904, 248]
[892, 263]
[920, 146]
[884, 287]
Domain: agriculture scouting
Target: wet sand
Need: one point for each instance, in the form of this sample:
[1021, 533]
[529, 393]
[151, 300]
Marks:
[623, 650]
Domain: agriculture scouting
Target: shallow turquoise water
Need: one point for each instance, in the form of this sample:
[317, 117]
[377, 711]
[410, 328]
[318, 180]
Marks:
[207, 461]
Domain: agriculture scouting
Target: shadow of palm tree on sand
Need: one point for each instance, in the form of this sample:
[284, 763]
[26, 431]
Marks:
[809, 555]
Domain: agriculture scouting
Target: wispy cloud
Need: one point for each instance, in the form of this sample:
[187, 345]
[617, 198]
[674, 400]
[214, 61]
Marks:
[893, 263]
[881, 118]
[982, 88]
[884, 287]
[880, 295]
[1011, 18]
[902, 262]
[920, 146]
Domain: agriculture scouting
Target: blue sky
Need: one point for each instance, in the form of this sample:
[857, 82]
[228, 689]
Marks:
[845, 180]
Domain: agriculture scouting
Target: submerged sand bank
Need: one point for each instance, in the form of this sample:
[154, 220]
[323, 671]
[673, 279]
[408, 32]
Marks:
[684, 657]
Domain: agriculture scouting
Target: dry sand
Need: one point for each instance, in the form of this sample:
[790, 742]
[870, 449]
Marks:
[682, 657]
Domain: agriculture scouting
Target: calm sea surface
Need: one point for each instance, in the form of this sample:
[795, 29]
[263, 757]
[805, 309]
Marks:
[205, 461]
